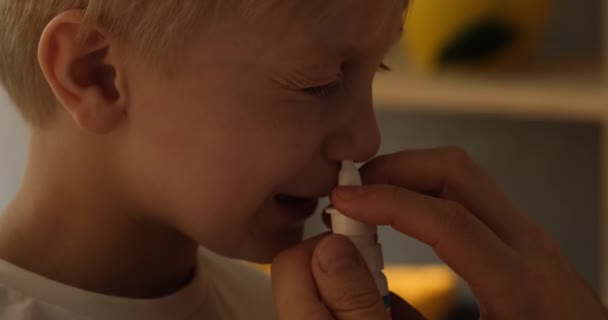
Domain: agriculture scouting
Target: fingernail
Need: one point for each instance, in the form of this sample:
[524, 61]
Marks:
[337, 254]
[349, 192]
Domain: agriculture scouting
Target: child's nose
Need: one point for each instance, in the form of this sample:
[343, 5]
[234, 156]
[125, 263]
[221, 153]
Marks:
[357, 139]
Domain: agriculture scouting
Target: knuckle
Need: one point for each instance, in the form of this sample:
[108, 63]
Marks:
[547, 244]
[357, 301]
[532, 286]
[454, 219]
[454, 214]
[538, 281]
[285, 259]
[455, 209]
[314, 313]
[458, 158]
[537, 288]
[455, 154]
[394, 193]
[280, 259]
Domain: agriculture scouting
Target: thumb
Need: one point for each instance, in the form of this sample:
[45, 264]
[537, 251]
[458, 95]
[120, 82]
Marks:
[344, 282]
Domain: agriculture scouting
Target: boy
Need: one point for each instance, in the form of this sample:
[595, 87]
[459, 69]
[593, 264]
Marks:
[162, 126]
[159, 126]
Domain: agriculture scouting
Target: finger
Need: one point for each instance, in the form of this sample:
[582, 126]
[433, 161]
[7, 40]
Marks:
[293, 286]
[450, 173]
[458, 237]
[344, 282]
[401, 310]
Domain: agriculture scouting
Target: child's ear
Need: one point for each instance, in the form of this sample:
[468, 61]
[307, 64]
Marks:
[78, 63]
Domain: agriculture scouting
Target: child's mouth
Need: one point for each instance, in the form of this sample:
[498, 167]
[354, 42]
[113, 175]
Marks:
[297, 207]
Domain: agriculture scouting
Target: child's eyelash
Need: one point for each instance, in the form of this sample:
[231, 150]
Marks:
[324, 90]
[333, 87]
[383, 67]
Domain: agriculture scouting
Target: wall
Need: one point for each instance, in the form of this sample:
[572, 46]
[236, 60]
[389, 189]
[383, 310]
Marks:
[575, 28]
[13, 144]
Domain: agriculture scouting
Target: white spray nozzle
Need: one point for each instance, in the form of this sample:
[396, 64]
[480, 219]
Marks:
[349, 174]
[363, 235]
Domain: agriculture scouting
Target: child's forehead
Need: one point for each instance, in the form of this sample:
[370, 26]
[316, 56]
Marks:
[336, 21]
[324, 12]
[254, 8]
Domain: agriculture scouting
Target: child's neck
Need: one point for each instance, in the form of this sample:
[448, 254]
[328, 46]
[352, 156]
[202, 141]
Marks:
[69, 229]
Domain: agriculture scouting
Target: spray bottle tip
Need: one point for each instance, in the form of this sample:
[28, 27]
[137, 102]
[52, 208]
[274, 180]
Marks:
[349, 174]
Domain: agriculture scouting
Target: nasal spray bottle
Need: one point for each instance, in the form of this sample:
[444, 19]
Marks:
[364, 236]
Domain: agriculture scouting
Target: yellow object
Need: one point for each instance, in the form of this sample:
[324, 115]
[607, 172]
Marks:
[429, 288]
[487, 33]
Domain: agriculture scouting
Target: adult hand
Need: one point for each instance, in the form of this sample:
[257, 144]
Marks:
[325, 278]
[442, 198]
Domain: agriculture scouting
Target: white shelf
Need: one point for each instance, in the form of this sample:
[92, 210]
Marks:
[572, 90]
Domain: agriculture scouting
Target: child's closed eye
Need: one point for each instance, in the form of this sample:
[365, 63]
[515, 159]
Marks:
[384, 67]
[325, 90]
[333, 87]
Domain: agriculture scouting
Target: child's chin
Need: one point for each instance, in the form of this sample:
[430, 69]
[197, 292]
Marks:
[264, 251]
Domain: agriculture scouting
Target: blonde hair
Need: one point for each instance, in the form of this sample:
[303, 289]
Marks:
[147, 26]
[151, 28]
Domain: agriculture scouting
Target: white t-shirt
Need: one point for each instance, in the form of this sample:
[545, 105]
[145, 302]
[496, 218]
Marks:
[222, 289]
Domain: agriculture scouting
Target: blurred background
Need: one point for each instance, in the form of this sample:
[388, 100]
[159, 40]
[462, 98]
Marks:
[520, 84]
